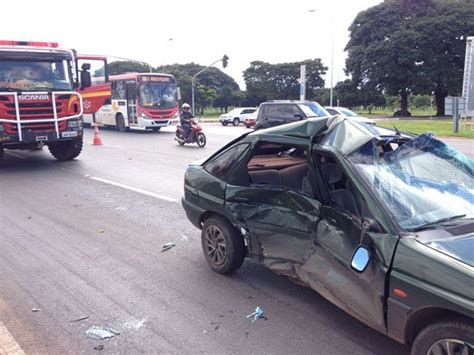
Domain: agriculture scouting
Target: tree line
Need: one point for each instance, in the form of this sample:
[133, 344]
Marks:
[397, 48]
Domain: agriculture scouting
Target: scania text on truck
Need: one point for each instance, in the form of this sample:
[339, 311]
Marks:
[38, 102]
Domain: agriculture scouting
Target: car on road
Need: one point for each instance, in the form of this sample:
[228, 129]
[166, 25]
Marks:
[236, 116]
[342, 111]
[278, 112]
[250, 120]
[379, 222]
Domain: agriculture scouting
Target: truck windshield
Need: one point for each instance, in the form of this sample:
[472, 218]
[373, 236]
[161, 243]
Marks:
[31, 75]
[421, 182]
[159, 96]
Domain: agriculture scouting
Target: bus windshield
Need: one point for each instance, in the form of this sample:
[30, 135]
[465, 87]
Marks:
[158, 96]
[34, 75]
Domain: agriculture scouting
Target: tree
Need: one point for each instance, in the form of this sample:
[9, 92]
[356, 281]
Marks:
[444, 46]
[121, 67]
[411, 46]
[281, 81]
[224, 89]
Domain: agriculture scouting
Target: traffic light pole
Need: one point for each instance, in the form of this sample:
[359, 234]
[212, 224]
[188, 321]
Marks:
[225, 58]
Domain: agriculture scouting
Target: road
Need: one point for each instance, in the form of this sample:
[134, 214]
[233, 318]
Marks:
[83, 238]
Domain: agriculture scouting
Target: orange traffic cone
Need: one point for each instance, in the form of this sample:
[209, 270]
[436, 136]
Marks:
[97, 140]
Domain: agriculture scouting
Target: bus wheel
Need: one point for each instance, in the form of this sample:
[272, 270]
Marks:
[120, 124]
[66, 150]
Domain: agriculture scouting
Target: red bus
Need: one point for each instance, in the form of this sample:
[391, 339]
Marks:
[146, 101]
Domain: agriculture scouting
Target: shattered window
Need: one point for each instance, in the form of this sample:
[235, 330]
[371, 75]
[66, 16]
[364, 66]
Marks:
[421, 182]
[220, 165]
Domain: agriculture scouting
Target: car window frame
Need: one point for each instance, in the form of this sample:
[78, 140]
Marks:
[242, 166]
[224, 176]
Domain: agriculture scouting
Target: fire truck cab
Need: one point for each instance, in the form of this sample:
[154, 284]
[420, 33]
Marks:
[39, 104]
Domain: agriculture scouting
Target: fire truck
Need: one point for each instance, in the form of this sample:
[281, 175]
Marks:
[39, 104]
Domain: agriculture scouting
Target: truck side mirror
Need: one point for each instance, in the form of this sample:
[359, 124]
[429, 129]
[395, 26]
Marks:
[86, 80]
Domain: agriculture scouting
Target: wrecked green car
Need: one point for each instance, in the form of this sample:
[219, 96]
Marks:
[378, 222]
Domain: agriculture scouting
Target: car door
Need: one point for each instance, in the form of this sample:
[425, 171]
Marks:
[340, 232]
[280, 217]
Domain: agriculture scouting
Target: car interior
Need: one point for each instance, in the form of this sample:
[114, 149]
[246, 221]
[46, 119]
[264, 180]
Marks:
[280, 166]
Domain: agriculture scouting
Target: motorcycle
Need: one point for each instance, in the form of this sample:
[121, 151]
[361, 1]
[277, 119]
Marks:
[196, 135]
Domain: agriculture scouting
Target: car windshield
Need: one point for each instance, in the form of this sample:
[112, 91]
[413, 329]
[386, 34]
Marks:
[348, 112]
[313, 109]
[421, 182]
[157, 95]
[33, 75]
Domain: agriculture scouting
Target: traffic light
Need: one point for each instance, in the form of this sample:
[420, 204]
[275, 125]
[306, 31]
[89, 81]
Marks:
[225, 58]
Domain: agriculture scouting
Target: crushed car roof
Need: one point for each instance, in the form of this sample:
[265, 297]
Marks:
[345, 135]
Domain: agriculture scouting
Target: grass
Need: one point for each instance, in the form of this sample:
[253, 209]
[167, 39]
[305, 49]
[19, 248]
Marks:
[385, 111]
[441, 128]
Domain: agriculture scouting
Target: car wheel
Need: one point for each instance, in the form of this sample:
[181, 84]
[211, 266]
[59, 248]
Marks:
[236, 121]
[247, 126]
[448, 337]
[225, 123]
[223, 247]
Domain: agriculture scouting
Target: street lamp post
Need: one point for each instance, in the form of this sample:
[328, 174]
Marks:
[224, 62]
[332, 58]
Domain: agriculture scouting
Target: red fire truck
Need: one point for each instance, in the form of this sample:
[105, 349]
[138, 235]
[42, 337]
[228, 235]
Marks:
[38, 102]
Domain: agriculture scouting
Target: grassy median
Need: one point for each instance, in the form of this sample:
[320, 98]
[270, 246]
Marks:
[441, 128]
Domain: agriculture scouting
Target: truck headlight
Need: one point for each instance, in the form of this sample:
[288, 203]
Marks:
[74, 124]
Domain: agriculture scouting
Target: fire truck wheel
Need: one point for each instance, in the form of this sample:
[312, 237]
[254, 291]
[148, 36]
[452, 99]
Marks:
[120, 123]
[66, 150]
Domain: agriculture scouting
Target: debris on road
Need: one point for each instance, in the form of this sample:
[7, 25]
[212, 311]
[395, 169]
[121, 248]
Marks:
[36, 310]
[101, 231]
[100, 333]
[79, 319]
[258, 313]
[99, 347]
[167, 246]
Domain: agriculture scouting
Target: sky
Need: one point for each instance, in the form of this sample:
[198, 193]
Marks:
[184, 31]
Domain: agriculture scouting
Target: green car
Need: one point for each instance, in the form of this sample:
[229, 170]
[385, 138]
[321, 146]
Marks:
[378, 222]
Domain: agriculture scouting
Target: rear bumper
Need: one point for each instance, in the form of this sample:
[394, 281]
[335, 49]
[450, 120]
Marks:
[193, 212]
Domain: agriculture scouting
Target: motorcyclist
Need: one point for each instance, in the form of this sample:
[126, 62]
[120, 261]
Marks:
[185, 120]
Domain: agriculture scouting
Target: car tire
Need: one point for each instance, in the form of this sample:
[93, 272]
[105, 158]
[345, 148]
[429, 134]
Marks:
[236, 121]
[223, 247]
[435, 338]
[225, 123]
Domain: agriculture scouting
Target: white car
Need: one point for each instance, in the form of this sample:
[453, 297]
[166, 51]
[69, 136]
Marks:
[236, 116]
[342, 111]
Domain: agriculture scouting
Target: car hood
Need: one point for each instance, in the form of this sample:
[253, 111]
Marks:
[459, 247]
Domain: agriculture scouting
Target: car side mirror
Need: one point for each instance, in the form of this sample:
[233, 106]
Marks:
[360, 258]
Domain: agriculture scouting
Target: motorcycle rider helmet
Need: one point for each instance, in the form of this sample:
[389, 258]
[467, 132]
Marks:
[186, 106]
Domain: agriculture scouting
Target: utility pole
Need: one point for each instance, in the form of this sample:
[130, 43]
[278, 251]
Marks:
[224, 60]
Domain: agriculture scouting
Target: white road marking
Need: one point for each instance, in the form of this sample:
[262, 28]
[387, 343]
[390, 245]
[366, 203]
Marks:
[8, 344]
[131, 188]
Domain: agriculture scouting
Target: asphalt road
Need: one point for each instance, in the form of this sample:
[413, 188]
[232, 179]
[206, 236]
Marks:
[83, 238]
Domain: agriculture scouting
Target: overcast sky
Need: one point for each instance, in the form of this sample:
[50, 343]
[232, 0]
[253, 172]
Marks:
[180, 31]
